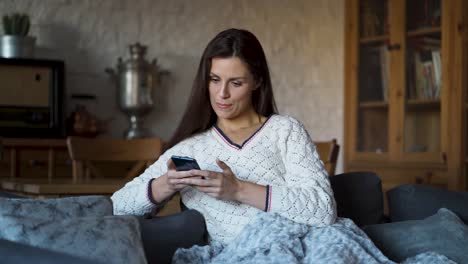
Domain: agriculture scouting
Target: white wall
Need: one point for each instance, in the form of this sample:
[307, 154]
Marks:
[303, 41]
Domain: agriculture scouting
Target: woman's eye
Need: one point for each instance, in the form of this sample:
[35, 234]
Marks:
[214, 80]
[237, 84]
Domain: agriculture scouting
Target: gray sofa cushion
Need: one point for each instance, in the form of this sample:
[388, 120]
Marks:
[443, 233]
[107, 239]
[414, 202]
[57, 208]
[359, 197]
[82, 226]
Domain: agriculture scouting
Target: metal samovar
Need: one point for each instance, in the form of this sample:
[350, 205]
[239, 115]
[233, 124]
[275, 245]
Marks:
[135, 79]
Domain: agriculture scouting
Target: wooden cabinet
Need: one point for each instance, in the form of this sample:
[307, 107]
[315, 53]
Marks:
[406, 102]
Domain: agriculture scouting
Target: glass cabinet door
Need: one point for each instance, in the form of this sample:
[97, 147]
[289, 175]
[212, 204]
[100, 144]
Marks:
[422, 106]
[373, 78]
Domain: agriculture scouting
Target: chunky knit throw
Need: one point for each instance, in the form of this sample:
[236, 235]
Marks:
[271, 238]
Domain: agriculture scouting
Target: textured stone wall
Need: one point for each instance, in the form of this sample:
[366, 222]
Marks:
[303, 41]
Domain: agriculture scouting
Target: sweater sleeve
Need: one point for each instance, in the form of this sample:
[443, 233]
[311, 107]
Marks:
[133, 198]
[307, 197]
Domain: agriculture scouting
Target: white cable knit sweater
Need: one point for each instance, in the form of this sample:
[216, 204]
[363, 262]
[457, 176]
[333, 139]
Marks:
[279, 154]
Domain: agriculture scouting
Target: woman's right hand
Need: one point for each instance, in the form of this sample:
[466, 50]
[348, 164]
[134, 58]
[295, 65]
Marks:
[169, 183]
[173, 177]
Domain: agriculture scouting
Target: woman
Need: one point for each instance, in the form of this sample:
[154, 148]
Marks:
[251, 158]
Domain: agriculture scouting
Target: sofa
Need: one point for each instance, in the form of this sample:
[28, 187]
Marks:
[414, 221]
[420, 218]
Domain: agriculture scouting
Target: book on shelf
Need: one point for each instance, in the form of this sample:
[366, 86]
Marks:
[385, 70]
[374, 18]
[425, 13]
[436, 60]
[432, 12]
[424, 70]
[374, 73]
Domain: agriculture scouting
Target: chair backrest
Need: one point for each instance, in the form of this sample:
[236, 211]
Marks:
[328, 151]
[85, 151]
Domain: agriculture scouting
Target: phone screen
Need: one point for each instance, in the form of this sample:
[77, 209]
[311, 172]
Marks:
[185, 163]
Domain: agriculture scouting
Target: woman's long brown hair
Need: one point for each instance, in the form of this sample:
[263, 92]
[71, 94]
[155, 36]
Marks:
[199, 115]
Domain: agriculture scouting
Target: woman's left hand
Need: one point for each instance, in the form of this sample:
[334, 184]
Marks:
[222, 185]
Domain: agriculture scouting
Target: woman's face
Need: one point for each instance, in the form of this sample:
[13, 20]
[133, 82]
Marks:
[231, 85]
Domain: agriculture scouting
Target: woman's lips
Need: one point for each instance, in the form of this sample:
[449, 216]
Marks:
[223, 106]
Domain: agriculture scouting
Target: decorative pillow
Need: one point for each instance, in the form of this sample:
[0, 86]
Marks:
[107, 239]
[414, 202]
[57, 208]
[359, 196]
[443, 233]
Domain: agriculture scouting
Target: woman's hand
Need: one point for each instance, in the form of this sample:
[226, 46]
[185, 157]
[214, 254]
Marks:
[222, 185]
[173, 177]
[225, 186]
[169, 183]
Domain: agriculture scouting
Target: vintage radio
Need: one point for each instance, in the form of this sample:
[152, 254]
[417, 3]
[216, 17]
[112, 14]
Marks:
[31, 98]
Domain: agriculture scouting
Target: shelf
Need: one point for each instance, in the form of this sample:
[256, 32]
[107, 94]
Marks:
[424, 31]
[374, 104]
[33, 142]
[423, 104]
[435, 102]
[374, 39]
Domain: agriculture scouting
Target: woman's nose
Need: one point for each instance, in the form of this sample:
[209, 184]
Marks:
[224, 90]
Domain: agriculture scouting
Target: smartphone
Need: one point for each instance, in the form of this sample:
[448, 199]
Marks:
[185, 163]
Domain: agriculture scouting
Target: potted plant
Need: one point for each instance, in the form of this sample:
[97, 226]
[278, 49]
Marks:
[16, 43]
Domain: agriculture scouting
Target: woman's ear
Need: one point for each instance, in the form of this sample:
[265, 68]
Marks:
[258, 84]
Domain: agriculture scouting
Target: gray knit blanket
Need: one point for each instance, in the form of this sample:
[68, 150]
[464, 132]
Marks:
[271, 238]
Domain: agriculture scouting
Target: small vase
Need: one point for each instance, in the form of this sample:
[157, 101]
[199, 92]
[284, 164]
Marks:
[13, 46]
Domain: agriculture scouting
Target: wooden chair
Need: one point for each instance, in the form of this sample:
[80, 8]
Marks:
[328, 151]
[85, 151]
